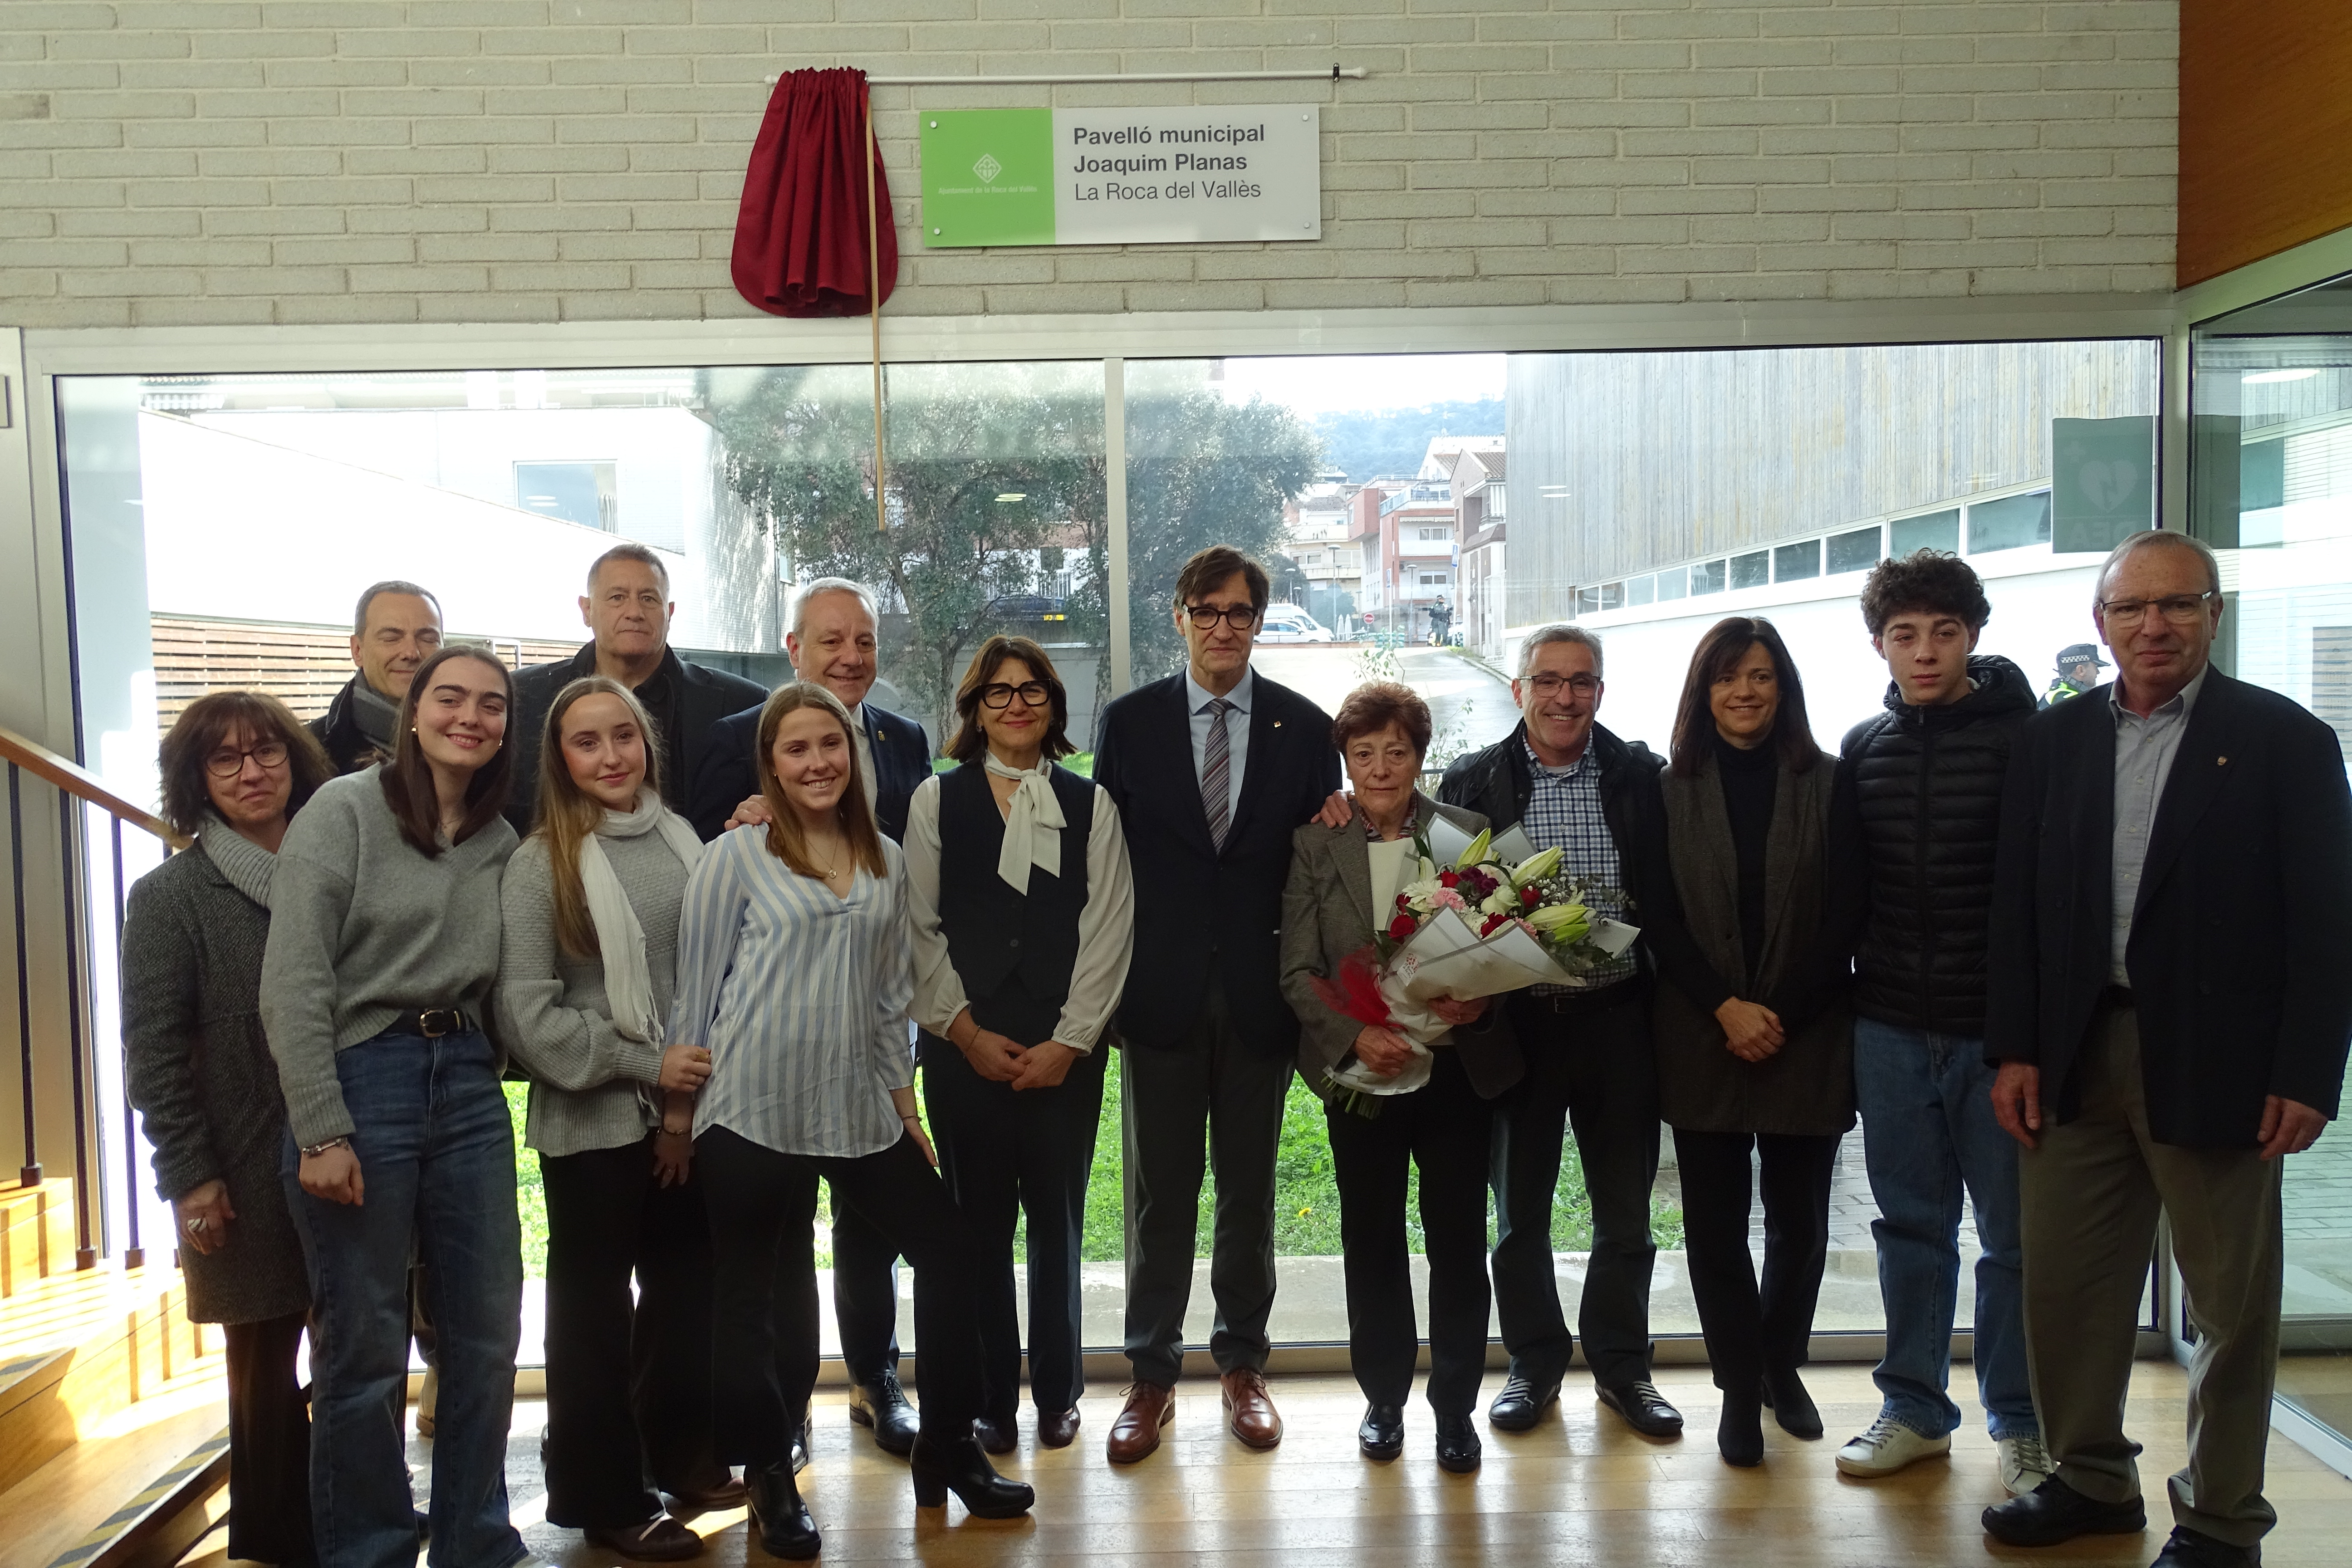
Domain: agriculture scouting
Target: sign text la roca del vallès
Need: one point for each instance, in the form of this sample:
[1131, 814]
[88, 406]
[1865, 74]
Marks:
[1121, 176]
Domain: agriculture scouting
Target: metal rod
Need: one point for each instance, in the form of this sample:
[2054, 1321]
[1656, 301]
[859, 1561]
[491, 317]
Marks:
[134, 1254]
[1057, 78]
[86, 1253]
[872, 153]
[31, 1174]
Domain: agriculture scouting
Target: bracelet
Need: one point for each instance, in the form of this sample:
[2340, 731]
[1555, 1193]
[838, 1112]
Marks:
[911, 1121]
[312, 1150]
[686, 1131]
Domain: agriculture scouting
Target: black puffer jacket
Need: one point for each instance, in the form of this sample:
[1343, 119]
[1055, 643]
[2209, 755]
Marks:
[1926, 783]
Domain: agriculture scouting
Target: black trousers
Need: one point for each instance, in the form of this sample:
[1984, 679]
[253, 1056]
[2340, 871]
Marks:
[1208, 1099]
[1443, 1128]
[865, 1293]
[628, 1381]
[1750, 1331]
[1005, 1154]
[268, 1444]
[761, 1203]
[1591, 1068]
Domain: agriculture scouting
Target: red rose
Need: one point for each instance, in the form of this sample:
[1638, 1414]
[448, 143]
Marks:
[1530, 897]
[1449, 879]
[1401, 928]
[1492, 921]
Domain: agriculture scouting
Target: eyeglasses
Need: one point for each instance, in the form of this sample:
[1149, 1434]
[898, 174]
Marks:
[1238, 616]
[228, 762]
[1578, 685]
[2179, 609]
[1035, 693]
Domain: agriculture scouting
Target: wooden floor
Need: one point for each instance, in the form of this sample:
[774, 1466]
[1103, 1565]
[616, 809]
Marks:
[1580, 1488]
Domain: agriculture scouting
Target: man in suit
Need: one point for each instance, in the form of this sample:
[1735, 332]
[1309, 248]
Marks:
[395, 629]
[2168, 1011]
[833, 643]
[628, 608]
[1573, 785]
[1210, 770]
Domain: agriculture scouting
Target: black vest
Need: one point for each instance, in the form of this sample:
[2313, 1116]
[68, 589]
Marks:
[1014, 953]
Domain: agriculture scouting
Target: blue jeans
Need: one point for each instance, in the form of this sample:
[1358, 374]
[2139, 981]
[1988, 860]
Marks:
[1928, 1132]
[436, 1158]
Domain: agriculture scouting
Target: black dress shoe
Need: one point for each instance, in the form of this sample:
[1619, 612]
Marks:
[1740, 1431]
[997, 1436]
[1643, 1407]
[1458, 1447]
[882, 1405]
[780, 1516]
[1381, 1435]
[1522, 1403]
[1058, 1430]
[1792, 1407]
[962, 1468]
[2055, 1511]
[2194, 1549]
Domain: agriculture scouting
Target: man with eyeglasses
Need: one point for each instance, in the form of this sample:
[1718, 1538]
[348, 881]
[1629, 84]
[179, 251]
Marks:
[1573, 785]
[1211, 770]
[2168, 1010]
[395, 628]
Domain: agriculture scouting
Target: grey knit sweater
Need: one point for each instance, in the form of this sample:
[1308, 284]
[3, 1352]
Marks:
[362, 929]
[551, 1009]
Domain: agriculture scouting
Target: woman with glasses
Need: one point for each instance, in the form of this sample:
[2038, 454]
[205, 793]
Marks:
[383, 944]
[236, 767]
[1022, 919]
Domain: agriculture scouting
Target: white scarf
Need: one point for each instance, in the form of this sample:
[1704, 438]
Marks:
[1032, 826]
[621, 941]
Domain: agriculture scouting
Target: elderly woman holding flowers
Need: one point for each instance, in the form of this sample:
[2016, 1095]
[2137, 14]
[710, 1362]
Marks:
[1341, 896]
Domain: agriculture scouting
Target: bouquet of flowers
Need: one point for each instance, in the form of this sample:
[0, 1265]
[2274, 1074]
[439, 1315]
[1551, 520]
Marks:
[1475, 926]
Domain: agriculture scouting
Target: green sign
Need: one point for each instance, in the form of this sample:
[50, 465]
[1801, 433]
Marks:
[988, 177]
[2102, 481]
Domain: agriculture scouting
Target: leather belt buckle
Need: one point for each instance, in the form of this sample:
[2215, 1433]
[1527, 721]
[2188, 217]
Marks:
[435, 1022]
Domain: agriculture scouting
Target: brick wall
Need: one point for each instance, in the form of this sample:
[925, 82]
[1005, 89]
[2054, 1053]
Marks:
[181, 161]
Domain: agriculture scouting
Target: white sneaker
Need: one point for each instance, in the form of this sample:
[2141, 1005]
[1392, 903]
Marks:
[1886, 1447]
[2025, 1463]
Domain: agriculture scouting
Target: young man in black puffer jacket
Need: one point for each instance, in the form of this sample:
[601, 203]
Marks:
[1926, 779]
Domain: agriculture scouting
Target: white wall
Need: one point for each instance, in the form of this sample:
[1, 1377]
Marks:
[166, 162]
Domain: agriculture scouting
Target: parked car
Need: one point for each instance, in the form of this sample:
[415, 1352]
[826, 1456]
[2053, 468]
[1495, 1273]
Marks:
[1026, 607]
[1292, 628]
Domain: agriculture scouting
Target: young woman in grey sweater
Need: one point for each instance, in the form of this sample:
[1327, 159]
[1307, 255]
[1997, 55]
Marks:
[383, 944]
[587, 966]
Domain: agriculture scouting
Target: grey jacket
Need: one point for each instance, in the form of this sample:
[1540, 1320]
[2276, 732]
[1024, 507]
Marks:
[1327, 914]
[198, 1070]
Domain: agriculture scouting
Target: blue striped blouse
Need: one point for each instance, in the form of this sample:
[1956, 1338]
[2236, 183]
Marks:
[801, 997]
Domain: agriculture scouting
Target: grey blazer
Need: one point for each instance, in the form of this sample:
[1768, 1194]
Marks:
[198, 1070]
[1327, 914]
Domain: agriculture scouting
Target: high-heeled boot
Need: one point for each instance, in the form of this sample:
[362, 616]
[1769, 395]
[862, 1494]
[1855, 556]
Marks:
[1739, 1432]
[1790, 1405]
[959, 1466]
[785, 1528]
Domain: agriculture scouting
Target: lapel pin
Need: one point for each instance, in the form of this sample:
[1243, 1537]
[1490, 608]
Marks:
[1278, 723]
[2221, 762]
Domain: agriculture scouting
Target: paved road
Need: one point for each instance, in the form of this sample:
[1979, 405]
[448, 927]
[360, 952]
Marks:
[1468, 706]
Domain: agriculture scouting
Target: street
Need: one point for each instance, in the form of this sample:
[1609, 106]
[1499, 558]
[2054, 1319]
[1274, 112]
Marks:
[1468, 707]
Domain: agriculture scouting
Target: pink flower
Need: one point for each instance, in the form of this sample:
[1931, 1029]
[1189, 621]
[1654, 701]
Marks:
[1446, 899]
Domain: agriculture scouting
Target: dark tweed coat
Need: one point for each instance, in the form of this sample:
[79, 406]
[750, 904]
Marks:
[200, 1073]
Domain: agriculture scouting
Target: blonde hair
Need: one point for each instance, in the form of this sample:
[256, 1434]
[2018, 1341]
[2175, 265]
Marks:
[568, 813]
[786, 840]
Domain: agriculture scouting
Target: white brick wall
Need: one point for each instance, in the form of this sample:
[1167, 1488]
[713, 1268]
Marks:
[182, 161]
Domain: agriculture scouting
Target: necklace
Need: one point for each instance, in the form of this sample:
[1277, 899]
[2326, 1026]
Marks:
[831, 870]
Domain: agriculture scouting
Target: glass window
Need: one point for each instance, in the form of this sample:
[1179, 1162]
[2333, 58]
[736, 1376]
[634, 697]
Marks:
[2008, 524]
[1676, 584]
[1855, 551]
[584, 493]
[1641, 589]
[1792, 562]
[1751, 571]
[1706, 577]
[1929, 531]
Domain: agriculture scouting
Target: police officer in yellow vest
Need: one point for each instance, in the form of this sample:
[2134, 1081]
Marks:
[2078, 671]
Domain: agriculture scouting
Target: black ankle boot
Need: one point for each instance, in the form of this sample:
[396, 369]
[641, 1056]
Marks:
[785, 1528]
[1739, 1433]
[1792, 1407]
[959, 1466]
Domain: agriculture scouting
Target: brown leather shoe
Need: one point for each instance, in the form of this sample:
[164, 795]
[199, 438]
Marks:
[1248, 1410]
[1136, 1433]
[1058, 1431]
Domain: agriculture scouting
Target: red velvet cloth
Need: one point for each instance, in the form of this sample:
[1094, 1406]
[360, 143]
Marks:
[800, 241]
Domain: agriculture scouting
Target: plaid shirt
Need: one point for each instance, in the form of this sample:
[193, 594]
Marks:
[1564, 812]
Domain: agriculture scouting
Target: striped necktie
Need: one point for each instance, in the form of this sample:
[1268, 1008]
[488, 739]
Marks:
[1216, 773]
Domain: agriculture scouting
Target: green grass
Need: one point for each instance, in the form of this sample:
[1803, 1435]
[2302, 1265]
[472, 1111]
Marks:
[1305, 1194]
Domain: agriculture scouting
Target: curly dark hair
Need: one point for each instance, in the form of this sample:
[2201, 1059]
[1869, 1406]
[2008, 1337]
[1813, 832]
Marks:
[212, 720]
[1932, 580]
[1374, 706]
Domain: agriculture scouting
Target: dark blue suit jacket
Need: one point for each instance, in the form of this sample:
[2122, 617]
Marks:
[727, 777]
[1202, 912]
